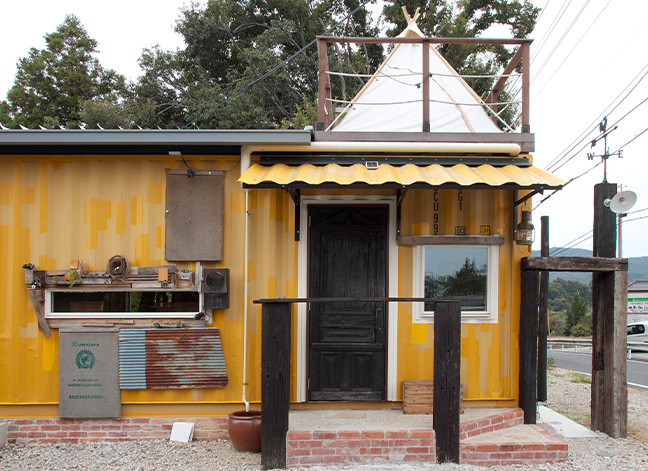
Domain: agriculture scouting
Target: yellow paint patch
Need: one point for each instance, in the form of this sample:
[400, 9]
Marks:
[159, 236]
[142, 250]
[45, 263]
[29, 332]
[119, 214]
[422, 228]
[137, 210]
[42, 202]
[6, 194]
[237, 203]
[50, 345]
[272, 287]
[155, 193]
[252, 270]
[419, 333]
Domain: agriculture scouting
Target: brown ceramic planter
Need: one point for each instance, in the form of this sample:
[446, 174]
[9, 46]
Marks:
[244, 428]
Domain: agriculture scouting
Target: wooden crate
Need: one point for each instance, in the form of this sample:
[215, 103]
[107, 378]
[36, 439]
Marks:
[418, 397]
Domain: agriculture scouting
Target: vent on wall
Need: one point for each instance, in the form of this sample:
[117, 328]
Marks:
[215, 288]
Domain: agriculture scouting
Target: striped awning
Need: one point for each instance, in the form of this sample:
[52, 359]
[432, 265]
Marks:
[403, 176]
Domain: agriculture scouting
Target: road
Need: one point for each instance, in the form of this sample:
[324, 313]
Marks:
[582, 363]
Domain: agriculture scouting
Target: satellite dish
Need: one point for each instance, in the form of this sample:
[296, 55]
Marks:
[621, 202]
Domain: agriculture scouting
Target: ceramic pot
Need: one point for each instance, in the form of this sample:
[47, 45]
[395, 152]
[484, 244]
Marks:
[244, 428]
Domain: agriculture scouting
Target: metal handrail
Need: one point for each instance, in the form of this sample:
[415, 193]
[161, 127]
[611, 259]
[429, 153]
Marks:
[637, 346]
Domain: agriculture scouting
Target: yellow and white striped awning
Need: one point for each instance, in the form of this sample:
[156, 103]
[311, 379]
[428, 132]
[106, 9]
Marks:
[404, 176]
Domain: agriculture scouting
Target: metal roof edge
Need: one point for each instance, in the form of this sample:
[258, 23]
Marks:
[158, 137]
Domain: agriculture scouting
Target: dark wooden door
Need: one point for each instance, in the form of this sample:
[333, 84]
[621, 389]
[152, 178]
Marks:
[348, 258]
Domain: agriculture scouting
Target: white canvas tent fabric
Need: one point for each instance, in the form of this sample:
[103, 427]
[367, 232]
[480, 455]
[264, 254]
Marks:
[391, 101]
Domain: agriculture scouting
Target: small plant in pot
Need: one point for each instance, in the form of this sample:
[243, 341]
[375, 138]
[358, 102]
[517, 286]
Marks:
[244, 428]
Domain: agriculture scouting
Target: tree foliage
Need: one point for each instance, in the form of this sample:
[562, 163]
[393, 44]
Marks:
[220, 78]
[52, 83]
[569, 303]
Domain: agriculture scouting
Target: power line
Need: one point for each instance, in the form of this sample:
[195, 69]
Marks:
[274, 69]
[573, 48]
[583, 136]
[559, 42]
[570, 181]
[578, 240]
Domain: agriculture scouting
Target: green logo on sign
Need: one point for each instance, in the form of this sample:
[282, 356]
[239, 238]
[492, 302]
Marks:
[85, 359]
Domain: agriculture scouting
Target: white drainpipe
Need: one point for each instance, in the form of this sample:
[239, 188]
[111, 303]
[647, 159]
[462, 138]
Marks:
[245, 299]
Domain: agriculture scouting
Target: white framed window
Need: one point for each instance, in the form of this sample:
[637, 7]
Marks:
[111, 304]
[465, 272]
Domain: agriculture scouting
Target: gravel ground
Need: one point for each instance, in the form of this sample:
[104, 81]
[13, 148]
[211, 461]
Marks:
[569, 394]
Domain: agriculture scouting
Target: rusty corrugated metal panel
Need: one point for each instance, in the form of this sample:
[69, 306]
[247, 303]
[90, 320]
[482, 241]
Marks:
[405, 175]
[171, 359]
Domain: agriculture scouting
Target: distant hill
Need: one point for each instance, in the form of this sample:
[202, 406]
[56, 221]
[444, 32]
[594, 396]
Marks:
[637, 266]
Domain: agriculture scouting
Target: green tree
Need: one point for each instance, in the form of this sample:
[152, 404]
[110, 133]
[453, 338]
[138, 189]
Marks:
[576, 312]
[52, 83]
[232, 43]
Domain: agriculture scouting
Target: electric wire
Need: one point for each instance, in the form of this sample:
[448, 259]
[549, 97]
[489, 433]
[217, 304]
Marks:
[594, 125]
[552, 26]
[572, 49]
[570, 181]
[274, 69]
[571, 244]
[559, 42]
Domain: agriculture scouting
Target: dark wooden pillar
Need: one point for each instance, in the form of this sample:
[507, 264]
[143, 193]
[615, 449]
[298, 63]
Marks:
[275, 383]
[447, 351]
[604, 245]
[543, 318]
[529, 344]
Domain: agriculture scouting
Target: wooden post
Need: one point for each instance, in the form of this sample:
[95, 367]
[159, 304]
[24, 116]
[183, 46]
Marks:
[323, 107]
[528, 344]
[447, 351]
[526, 85]
[616, 347]
[275, 383]
[604, 245]
[426, 85]
[543, 319]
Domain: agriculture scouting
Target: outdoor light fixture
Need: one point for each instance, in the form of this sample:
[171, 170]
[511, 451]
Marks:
[525, 230]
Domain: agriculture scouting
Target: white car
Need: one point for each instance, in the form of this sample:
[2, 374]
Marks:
[638, 332]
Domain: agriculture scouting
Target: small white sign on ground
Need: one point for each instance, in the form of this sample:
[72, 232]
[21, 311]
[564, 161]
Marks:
[182, 432]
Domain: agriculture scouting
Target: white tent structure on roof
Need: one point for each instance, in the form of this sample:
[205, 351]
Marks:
[391, 101]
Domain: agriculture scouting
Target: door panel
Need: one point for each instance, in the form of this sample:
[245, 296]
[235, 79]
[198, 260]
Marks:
[348, 253]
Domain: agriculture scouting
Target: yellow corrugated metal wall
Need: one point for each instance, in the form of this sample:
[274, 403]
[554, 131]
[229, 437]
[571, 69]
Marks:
[56, 209]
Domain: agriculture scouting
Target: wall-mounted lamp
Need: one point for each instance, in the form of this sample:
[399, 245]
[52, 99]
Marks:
[525, 230]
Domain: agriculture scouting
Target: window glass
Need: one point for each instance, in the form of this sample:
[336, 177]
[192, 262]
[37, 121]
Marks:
[468, 273]
[124, 301]
[457, 273]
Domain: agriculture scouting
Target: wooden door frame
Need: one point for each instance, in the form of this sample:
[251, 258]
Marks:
[392, 287]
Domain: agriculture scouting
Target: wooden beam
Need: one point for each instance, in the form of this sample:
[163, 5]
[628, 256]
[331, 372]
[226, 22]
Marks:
[275, 383]
[499, 85]
[543, 327]
[616, 343]
[418, 40]
[37, 298]
[323, 78]
[587, 264]
[425, 80]
[449, 240]
[528, 344]
[446, 398]
[526, 84]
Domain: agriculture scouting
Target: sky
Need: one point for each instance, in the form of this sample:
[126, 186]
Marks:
[584, 56]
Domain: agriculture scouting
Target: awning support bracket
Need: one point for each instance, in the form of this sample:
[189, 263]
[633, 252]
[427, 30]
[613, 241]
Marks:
[295, 194]
[400, 195]
[528, 196]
